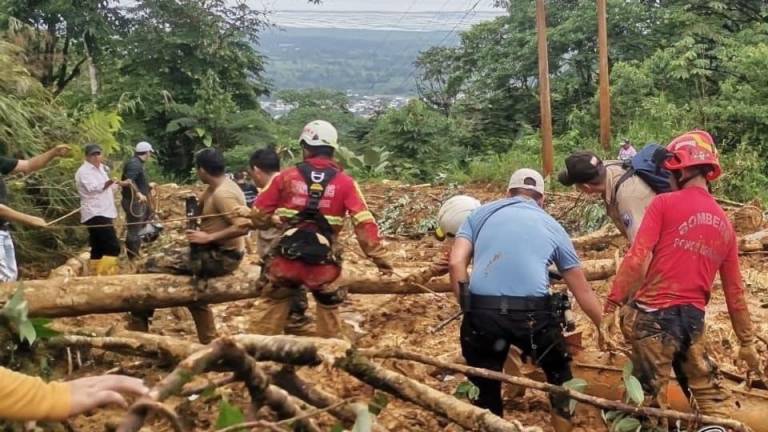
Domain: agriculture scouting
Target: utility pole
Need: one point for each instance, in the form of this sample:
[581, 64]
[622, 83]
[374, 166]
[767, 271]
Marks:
[547, 150]
[605, 92]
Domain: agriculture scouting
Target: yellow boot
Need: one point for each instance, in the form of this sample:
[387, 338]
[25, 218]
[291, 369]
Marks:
[93, 267]
[271, 315]
[108, 266]
[329, 322]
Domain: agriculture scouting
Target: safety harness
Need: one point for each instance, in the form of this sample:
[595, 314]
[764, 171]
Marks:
[310, 238]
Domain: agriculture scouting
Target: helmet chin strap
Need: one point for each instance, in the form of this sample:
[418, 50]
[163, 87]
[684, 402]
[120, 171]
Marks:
[681, 182]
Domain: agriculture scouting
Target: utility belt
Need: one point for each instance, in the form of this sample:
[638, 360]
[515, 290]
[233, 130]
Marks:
[507, 304]
[557, 304]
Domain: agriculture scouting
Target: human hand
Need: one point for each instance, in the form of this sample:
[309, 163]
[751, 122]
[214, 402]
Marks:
[61, 150]
[243, 212]
[94, 392]
[140, 197]
[198, 237]
[37, 222]
[608, 331]
[749, 355]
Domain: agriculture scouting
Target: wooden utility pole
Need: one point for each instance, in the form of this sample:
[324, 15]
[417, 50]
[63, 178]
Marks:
[605, 92]
[547, 150]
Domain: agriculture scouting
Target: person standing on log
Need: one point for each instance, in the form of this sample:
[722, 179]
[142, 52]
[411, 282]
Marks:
[309, 203]
[98, 211]
[264, 167]
[216, 248]
[135, 200]
[450, 217]
[506, 300]
[8, 269]
[626, 196]
[691, 239]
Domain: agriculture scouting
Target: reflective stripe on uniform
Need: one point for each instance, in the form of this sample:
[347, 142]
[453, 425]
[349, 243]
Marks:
[334, 220]
[363, 216]
[286, 212]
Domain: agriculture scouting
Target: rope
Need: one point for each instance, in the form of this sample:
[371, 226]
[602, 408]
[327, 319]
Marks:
[167, 221]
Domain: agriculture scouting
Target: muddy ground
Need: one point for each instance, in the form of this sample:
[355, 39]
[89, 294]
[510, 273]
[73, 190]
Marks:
[406, 213]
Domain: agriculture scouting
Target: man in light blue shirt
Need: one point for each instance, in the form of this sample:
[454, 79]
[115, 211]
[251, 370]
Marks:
[506, 301]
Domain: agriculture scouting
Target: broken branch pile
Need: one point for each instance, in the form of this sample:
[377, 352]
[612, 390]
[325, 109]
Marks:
[241, 353]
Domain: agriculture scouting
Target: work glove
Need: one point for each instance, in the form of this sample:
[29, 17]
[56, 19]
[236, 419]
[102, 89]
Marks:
[610, 328]
[749, 355]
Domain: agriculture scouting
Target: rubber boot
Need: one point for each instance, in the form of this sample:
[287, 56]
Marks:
[271, 315]
[108, 266]
[561, 424]
[205, 323]
[93, 267]
[328, 322]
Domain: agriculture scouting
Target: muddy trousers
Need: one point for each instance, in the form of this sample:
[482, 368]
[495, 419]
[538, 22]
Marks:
[201, 262]
[486, 336]
[277, 302]
[673, 339]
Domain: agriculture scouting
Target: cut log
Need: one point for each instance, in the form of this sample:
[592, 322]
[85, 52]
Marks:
[75, 266]
[69, 297]
[754, 242]
[605, 236]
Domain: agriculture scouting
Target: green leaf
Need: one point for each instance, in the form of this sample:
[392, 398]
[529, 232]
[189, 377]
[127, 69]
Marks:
[635, 391]
[627, 370]
[379, 402]
[627, 424]
[207, 140]
[576, 384]
[610, 416]
[41, 328]
[229, 415]
[338, 427]
[200, 132]
[467, 390]
[27, 332]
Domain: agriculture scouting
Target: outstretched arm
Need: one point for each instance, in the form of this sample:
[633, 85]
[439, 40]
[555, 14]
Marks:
[40, 161]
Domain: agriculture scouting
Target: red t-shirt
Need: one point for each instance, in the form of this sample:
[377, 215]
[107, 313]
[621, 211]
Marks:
[690, 238]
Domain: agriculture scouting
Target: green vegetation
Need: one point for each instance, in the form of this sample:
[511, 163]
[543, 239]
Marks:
[187, 74]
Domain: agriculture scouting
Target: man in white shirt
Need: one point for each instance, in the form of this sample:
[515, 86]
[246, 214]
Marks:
[98, 210]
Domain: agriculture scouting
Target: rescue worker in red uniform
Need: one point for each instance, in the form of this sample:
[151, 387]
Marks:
[309, 203]
[689, 238]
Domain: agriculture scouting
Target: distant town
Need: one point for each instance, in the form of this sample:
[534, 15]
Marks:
[359, 105]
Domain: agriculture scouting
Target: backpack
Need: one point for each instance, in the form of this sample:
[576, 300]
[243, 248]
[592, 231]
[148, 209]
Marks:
[648, 165]
[310, 238]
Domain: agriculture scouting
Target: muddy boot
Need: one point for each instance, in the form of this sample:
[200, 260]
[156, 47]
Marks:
[561, 424]
[138, 321]
[205, 323]
[93, 267]
[328, 321]
[299, 324]
[271, 315]
[108, 265]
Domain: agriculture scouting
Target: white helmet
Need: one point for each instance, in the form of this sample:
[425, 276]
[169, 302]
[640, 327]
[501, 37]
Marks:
[453, 213]
[319, 133]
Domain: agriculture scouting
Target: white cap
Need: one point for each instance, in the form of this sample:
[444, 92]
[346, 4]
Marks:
[319, 133]
[454, 212]
[519, 177]
[144, 147]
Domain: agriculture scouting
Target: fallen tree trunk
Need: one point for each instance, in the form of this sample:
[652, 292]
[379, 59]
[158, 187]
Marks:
[75, 266]
[69, 297]
[604, 236]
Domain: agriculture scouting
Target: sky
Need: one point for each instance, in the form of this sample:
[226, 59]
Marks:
[377, 5]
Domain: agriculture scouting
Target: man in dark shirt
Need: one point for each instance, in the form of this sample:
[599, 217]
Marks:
[249, 189]
[8, 270]
[135, 200]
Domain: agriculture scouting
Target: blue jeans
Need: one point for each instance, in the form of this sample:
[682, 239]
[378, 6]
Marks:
[8, 270]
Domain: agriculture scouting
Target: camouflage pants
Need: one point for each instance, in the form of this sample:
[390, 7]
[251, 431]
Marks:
[201, 262]
[673, 339]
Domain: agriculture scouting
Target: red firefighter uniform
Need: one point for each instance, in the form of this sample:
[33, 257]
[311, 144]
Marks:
[280, 204]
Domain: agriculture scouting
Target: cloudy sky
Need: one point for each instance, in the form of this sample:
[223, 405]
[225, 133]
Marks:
[378, 5]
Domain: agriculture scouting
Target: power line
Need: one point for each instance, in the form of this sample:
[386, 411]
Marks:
[458, 23]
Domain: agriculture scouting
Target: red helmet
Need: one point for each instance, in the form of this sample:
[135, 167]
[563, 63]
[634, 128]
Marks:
[693, 148]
